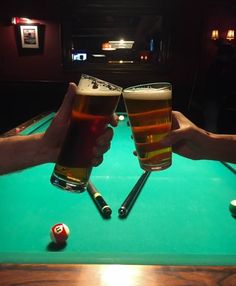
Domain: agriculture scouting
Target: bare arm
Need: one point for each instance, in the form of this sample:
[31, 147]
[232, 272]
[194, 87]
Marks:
[190, 141]
[222, 147]
[19, 152]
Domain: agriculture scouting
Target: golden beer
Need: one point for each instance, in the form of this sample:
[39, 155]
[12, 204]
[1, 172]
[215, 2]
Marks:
[149, 111]
[94, 104]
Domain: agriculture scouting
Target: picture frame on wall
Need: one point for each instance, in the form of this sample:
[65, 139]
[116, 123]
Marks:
[30, 39]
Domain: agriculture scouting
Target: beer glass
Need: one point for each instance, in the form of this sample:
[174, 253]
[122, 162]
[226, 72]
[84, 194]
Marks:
[95, 102]
[149, 112]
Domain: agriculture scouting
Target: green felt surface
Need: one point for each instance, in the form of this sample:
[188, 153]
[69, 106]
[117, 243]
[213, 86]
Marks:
[180, 217]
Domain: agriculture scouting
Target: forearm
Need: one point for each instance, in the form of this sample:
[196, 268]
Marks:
[222, 147]
[19, 152]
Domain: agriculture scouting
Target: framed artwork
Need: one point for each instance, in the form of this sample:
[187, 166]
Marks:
[30, 39]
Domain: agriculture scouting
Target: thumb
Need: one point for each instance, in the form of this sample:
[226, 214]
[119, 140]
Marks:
[66, 107]
[173, 137]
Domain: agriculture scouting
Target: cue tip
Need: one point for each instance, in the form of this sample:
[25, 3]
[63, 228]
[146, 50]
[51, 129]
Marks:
[122, 212]
[102, 206]
[107, 211]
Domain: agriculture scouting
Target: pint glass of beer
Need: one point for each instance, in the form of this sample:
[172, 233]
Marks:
[149, 111]
[95, 102]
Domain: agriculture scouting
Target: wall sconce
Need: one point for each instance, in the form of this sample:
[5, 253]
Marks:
[214, 35]
[230, 35]
[20, 20]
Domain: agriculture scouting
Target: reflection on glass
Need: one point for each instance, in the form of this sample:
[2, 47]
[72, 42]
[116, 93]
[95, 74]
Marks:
[117, 39]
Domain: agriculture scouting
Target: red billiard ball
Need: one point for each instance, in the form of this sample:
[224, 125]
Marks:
[59, 233]
[17, 130]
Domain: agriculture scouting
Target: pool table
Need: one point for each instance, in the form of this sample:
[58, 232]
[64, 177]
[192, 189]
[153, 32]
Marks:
[179, 231]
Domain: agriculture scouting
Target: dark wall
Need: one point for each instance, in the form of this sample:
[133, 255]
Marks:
[190, 23]
[23, 100]
[45, 66]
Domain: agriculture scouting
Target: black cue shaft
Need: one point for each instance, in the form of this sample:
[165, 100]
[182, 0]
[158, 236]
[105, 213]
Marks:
[99, 200]
[132, 196]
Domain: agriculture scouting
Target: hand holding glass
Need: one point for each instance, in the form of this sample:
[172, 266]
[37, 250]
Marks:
[149, 111]
[95, 102]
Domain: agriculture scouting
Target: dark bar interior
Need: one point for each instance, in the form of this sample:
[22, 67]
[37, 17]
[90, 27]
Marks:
[172, 42]
[191, 44]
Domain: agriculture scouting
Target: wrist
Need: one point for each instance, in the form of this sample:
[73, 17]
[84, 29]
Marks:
[203, 144]
[48, 151]
[221, 147]
[41, 153]
[211, 141]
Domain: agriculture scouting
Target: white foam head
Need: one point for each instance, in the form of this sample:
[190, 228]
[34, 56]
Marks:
[148, 92]
[91, 86]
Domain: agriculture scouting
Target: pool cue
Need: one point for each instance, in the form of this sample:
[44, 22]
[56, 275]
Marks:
[103, 207]
[132, 196]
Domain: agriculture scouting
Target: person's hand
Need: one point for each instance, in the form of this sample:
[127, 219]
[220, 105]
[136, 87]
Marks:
[186, 138]
[55, 134]
[103, 143]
